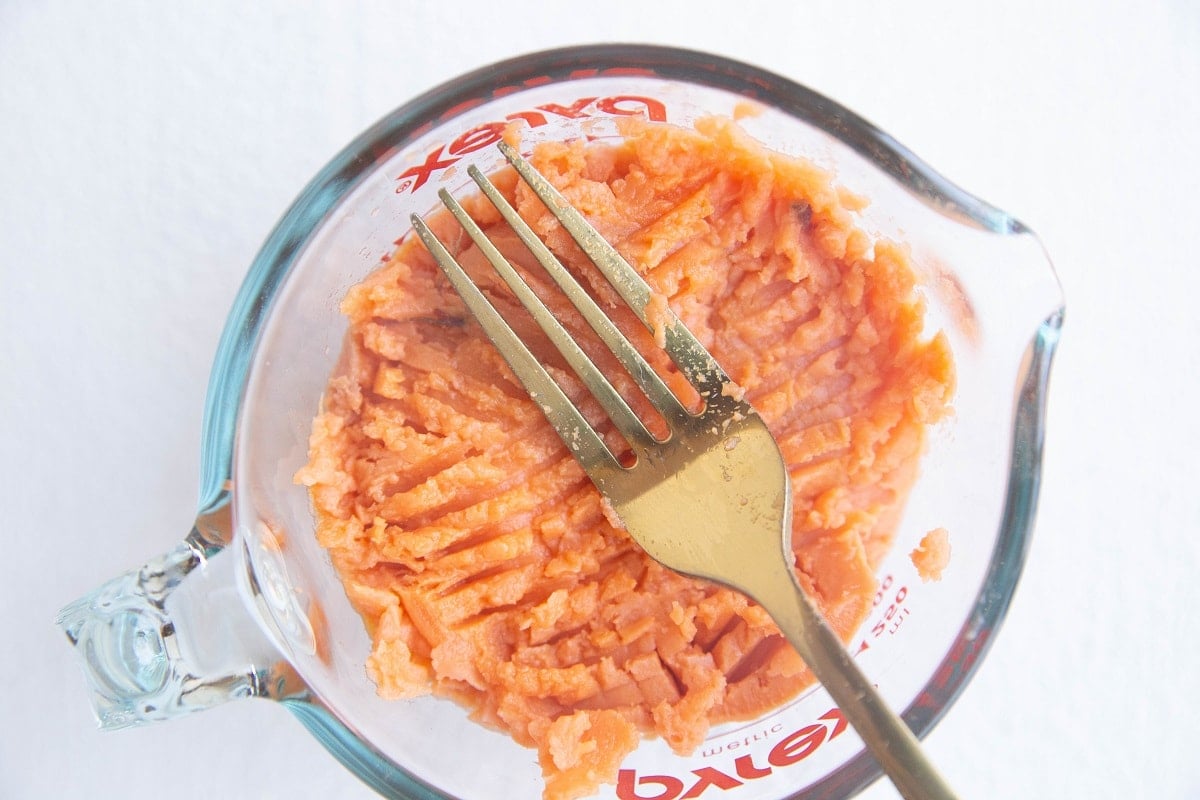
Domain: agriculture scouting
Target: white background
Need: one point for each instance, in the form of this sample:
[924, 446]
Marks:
[147, 149]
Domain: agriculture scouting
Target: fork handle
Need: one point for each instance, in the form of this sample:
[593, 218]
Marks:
[882, 730]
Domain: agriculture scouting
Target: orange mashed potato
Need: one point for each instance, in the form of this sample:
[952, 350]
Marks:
[475, 548]
[932, 555]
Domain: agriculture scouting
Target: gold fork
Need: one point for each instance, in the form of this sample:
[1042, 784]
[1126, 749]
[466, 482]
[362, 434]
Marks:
[712, 499]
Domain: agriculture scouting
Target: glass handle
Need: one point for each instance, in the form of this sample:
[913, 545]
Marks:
[171, 637]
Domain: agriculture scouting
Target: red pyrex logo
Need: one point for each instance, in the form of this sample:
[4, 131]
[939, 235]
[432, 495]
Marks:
[490, 133]
[789, 750]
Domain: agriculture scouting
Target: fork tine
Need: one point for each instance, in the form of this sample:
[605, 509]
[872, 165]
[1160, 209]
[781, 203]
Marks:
[642, 373]
[572, 428]
[685, 350]
[628, 423]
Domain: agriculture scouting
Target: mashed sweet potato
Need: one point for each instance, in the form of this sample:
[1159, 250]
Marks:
[931, 556]
[478, 552]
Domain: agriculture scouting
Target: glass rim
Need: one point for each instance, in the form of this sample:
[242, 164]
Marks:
[343, 173]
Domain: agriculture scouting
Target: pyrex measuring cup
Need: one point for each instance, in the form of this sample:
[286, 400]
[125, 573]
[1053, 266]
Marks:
[249, 606]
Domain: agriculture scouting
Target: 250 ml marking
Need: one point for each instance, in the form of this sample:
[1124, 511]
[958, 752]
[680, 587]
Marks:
[894, 614]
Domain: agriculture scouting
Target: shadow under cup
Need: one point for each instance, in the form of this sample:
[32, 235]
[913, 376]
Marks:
[985, 278]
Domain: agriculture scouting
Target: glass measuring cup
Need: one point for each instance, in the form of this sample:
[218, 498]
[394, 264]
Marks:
[248, 606]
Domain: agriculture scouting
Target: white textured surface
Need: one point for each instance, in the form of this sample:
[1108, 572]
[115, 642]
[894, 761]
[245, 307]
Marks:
[146, 150]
